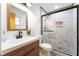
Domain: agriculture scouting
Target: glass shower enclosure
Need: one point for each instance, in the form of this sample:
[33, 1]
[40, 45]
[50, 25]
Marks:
[59, 28]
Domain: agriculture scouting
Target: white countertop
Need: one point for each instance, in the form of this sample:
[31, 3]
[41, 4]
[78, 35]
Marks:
[16, 43]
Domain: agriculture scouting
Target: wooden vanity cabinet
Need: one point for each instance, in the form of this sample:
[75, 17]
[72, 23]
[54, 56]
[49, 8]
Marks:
[31, 49]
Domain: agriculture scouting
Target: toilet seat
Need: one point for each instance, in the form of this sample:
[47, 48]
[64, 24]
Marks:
[46, 46]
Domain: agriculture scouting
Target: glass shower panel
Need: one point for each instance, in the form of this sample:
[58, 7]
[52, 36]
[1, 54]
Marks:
[60, 30]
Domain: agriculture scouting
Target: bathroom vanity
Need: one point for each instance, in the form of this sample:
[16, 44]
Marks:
[19, 45]
[24, 47]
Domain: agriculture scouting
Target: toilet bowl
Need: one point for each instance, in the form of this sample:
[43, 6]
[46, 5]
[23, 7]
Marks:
[45, 48]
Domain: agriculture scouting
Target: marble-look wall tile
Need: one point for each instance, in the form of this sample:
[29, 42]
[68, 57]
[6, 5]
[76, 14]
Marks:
[64, 37]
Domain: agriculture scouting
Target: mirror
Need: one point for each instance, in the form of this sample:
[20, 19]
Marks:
[17, 19]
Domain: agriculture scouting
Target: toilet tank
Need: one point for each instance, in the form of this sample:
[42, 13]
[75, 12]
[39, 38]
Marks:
[40, 38]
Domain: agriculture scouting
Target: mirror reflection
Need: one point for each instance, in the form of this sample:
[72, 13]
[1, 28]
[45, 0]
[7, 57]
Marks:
[17, 19]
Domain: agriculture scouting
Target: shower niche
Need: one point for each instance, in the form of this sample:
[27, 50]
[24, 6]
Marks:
[59, 28]
[49, 25]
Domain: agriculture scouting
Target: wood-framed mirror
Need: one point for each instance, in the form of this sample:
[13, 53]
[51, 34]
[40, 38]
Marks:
[16, 19]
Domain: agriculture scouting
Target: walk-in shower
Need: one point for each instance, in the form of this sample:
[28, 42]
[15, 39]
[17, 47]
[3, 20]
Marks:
[60, 29]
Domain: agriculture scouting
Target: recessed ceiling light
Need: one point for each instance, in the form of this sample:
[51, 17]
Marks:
[56, 7]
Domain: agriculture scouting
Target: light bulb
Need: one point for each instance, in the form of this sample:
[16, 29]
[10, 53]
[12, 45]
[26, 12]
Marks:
[29, 4]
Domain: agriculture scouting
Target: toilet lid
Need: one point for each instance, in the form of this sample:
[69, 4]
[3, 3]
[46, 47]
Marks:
[46, 46]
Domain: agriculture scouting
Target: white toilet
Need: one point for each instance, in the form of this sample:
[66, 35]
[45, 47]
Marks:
[45, 48]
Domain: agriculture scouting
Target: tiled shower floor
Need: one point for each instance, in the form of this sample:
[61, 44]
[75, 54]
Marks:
[56, 52]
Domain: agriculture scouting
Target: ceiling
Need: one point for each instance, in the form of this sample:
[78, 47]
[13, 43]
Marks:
[51, 6]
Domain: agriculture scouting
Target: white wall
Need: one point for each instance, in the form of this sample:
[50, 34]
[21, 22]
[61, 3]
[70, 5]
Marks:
[33, 22]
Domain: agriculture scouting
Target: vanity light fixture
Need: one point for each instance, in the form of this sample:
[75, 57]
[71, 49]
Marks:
[29, 4]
